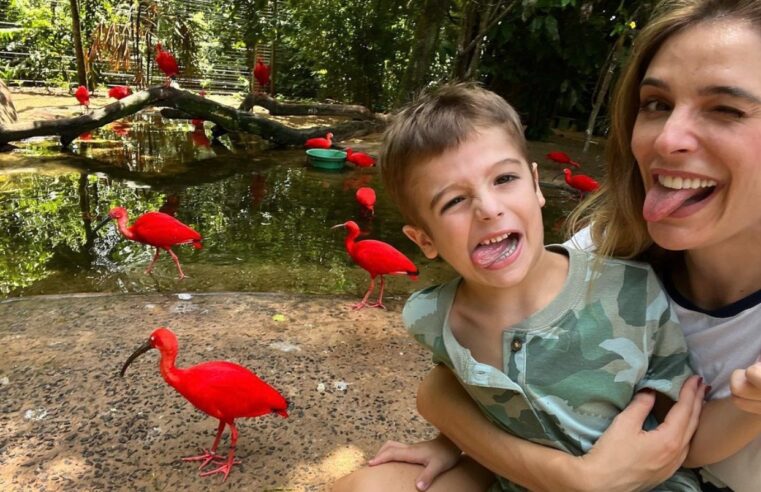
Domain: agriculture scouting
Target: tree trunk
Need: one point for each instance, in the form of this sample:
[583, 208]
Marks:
[77, 38]
[277, 108]
[7, 109]
[427, 27]
[229, 119]
[477, 20]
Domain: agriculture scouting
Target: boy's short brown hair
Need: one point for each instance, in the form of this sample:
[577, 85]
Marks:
[437, 121]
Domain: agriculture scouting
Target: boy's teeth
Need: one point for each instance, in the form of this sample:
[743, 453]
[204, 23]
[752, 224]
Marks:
[494, 240]
[678, 183]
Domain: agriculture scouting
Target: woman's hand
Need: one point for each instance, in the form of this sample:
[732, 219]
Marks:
[745, 385]
[436, 456]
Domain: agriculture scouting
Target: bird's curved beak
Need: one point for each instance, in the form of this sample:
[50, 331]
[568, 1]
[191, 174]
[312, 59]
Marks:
[101, 225]
[338, 225]
[137, 353]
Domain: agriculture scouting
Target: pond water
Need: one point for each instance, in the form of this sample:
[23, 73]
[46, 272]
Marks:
[265, 216]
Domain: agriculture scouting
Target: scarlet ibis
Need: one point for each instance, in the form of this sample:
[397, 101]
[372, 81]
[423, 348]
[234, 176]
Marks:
[562, 158]
[378, 258]
[167, 63]
[359, 159]
[221, 389]
[262, 73]
[155, 229]
[119, 92]
[580, 182]
[366, 197]
[320, 143]
[198, 137]
[83, 96]
[198, 122]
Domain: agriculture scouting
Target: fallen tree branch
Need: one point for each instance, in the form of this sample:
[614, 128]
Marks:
[278, 108]
[226, 117]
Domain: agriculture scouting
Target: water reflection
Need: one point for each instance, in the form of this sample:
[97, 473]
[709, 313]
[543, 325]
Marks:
[264, 215]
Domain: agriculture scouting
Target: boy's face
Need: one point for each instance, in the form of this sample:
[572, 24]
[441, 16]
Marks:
[482, 209]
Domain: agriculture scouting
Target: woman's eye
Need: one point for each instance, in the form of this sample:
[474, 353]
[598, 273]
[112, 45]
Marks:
[652, 105]
[505, 178]
[451, 203]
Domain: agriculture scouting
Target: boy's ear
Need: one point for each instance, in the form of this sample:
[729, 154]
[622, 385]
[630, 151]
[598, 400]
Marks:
[422, 239]
[535, 176]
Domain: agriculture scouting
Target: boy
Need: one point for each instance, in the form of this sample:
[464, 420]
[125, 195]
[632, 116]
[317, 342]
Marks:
[552, 343]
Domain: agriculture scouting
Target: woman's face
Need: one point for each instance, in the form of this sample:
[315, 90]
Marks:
[697, 137]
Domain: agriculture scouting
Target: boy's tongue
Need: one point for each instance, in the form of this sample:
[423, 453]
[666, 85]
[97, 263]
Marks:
[484, 256]
[660, 201]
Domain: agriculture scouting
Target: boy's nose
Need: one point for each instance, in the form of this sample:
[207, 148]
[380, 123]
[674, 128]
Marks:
[488, 209]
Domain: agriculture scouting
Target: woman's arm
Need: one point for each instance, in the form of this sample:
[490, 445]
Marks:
[625, 458]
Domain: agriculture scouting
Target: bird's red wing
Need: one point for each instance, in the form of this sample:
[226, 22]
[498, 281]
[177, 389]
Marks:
[226, 390]
[162, 230]
[381, 258]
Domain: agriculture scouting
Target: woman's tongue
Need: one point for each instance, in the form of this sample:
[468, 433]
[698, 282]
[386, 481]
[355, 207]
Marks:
[661, 202]
[483, 256]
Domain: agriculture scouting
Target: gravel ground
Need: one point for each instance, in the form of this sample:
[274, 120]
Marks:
[69, 422]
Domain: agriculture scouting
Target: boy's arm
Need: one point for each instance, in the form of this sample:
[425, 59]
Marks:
[625, 458]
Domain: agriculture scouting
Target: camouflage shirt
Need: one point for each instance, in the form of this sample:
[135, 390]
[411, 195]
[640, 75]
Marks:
[570, 368]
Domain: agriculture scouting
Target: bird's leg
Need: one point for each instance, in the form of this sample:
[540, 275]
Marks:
[210, 454]
[363, 302]
[228, 465]
[379, 304]
[153, 261]
[176, 262]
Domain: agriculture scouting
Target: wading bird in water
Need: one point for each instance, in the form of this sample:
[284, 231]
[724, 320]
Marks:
[378, 258]
[167, 63]
[319, 142]
[155, 229]
[359, 159]
[366, 198]
[221, 389]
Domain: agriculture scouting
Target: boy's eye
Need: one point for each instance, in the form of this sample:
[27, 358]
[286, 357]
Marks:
[451, 203]
[730, 111]
[505, 178]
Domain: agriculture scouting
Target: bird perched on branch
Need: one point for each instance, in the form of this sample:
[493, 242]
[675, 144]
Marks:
[319, 142]
[119, 92]
[562, 158]
[83, 97]
[378, 258]
[221, 389]
[155, 229]
[167, 63]
[262, 73]
[359, 159]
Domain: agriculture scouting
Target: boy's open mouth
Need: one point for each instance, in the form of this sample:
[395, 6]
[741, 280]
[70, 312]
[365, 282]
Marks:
[670, 193]
[495, 249]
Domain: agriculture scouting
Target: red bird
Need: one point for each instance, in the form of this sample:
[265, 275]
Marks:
[320, 143]
[83, 96]
[359, 159]
[220, 389]
[581, 182]
[167, 63]
[155, 229]
[366, 197]
[562, 158]
[378, 258]
[198, 122]
[262, 73]
[119, 92]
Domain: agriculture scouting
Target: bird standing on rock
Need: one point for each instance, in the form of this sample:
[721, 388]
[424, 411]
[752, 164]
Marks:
[221, 389]
[155, 229]
[378, 258]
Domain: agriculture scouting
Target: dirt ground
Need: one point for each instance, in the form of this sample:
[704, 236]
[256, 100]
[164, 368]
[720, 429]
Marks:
[69, 422]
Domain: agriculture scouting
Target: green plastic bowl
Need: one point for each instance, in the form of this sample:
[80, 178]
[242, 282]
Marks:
[327, 158]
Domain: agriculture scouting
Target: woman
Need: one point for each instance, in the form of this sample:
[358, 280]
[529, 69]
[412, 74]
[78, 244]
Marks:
[681, 191]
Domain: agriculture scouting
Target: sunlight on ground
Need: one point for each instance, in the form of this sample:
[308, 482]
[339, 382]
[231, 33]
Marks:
[337, 464]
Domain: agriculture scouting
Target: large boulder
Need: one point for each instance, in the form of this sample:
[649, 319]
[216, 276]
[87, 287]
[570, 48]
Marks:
[7, 109]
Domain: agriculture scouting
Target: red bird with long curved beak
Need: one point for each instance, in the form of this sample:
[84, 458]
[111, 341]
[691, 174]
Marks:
[366, 198]
[221, 389]
[155, 229]
[378, 258]
[262, 73]
[562, 158]
[581, 182]
[83, 97]
[359, 159]
[119, 92]
[320, 143]
[167, 63]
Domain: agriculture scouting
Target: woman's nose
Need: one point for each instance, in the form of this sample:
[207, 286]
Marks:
[677, 135]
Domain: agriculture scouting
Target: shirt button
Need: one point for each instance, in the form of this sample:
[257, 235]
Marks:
[516, 344]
